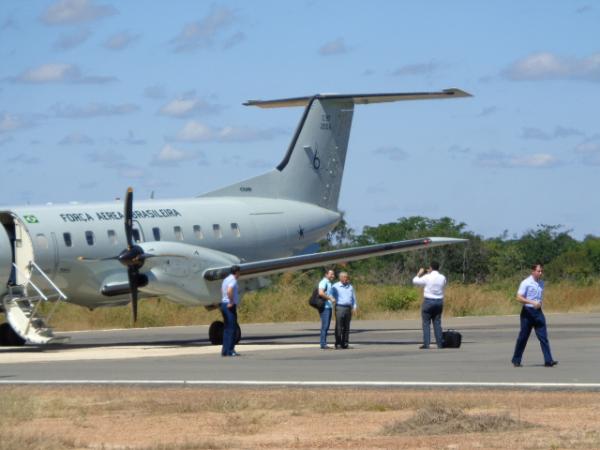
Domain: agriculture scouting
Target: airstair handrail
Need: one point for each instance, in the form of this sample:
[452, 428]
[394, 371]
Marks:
[41, 294]
[50, 282]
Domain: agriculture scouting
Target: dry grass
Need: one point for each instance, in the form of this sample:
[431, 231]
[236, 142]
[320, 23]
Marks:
[440, 419]
[76, 417]
[287, 301]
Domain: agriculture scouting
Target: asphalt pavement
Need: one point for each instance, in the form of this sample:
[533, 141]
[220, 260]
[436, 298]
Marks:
[383, 353]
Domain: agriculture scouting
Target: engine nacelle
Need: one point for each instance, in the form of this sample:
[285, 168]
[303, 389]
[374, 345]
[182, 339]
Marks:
[175, 271]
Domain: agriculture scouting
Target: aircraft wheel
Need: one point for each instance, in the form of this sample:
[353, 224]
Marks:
[215, 332]
[238, 333]
[8, 337]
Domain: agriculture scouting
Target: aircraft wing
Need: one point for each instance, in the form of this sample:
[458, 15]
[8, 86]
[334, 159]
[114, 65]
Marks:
[271, 266]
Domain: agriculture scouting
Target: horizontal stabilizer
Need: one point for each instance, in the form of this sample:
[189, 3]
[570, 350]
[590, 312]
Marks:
[359, 99]
[271, 266]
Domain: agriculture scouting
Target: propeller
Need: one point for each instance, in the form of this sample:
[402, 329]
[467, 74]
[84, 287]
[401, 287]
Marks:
[133, 256]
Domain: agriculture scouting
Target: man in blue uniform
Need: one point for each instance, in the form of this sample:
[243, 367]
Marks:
[230, 298]
[531, 295]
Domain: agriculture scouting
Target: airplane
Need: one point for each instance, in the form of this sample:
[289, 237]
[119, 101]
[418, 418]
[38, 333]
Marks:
[181, 249]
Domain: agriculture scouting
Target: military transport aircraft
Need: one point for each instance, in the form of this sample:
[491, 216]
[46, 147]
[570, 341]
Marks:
[181, 249]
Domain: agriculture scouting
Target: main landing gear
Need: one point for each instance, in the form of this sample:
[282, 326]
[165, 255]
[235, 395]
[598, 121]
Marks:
[215, 333]
[8, 336]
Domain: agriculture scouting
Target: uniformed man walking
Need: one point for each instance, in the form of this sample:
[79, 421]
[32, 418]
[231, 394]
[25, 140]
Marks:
[531, 295]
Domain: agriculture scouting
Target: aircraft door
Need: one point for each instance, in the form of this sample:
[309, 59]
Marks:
[23, 251]
[6, 259]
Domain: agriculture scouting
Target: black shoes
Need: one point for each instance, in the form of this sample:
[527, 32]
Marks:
[548, 364]
[424, 347]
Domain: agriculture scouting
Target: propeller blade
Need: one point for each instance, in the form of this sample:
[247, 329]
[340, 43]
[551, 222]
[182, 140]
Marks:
[128, 213]
[132, 274]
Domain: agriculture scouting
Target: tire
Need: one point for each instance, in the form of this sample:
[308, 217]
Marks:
[238, 333]
[215, 332]
[8, 337]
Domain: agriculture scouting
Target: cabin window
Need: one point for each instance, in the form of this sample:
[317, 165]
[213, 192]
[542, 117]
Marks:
[217, 231]
[235, 229]
[156, 233]
[198, 232]
[135, 233]
[68, 240]
[42, 240]
[89, 237]
[178, 233]
[112, 237]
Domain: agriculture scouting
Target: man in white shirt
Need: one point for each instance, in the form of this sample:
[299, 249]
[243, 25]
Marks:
[230, 298]
[434, 284]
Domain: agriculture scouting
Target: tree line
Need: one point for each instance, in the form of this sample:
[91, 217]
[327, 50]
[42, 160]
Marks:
[477, 261]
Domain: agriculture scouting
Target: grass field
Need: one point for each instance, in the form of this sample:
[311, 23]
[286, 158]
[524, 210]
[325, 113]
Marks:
[287, 301]
[75, 417]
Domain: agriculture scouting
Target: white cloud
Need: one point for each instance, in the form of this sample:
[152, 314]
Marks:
[488, 111]
[501, 160]
[204, 33]
[391, 153]
[76, 139]
[6, 140]
[589, 151]
[188, 105]
[69, 12]
[132, 172]
[23, 158]
[109, 159]
[69, 41]
[427, 68]
[548, 66]
[457, 150]
[11, 122]
[155, 92]
[132, 140]
[335, 47]
[59, 73]
[194, 131]
[93, 110]
[120, 41]
[171, 156]
[559, 132]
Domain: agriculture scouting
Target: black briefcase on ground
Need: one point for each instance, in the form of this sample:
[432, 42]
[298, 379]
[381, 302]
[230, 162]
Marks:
[451, 339]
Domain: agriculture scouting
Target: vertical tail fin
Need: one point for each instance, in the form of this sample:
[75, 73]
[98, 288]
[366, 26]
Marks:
[312, 169]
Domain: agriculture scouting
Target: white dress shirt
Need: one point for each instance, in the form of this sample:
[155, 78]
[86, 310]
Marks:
[434, 283]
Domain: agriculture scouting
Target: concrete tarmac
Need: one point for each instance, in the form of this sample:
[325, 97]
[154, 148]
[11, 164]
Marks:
[383, 353]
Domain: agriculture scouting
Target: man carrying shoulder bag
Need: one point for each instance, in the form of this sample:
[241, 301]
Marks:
[324, 292]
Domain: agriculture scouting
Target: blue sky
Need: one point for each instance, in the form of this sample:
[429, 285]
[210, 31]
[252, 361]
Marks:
[99, 95]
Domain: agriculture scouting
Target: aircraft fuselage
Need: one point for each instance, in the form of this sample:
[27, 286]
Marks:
[55, 236]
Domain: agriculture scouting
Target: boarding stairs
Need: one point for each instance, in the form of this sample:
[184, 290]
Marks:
[22, 306]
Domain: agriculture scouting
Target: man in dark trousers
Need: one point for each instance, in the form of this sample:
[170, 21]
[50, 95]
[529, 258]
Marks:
[345, 304]
[434, 284]
[230, 298]
[531, 295]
